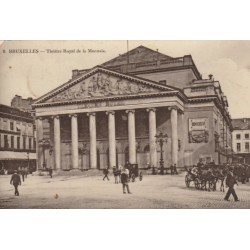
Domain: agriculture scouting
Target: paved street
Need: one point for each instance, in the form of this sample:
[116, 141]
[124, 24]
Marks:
[92, 192]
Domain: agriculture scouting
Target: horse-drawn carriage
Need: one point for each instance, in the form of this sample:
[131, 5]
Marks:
[205, 178]
[134, 172]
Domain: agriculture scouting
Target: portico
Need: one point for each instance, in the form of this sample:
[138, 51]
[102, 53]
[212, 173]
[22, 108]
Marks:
[108, 112]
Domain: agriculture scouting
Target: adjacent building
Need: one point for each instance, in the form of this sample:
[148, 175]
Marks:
[241, 140]
[17, 141]
[110, 114]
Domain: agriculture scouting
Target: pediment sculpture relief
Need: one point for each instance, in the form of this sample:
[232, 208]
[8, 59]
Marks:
[100, 85]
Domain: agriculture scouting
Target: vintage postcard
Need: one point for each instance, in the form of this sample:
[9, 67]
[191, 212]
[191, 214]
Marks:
[124, 124]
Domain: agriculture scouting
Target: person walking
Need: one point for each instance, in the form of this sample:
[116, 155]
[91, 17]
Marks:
[106, 172]
[124, 180]
[16, 181]
[50, 172]
[22, 173]
[230, 182]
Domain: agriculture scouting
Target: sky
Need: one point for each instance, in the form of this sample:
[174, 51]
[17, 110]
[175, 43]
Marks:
[35, 74]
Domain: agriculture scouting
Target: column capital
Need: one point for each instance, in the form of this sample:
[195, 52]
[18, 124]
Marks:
[173, 108]
[130, 110]
[151, 109]
[91, 113]
[39, 118]
[73, 115]
[110, 112]
[55, 117]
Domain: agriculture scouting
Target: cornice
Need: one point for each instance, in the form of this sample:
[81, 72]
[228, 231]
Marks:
[111, 98]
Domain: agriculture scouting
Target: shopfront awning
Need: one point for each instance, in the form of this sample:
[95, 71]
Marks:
[9, 155]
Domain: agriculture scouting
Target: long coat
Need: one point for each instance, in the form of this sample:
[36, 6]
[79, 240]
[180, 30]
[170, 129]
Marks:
[230, 181]
[15, 179]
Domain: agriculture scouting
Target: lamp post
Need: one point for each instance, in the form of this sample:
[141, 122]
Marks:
[226, 153]
[45, 144]
[161, 138]
[28, 158]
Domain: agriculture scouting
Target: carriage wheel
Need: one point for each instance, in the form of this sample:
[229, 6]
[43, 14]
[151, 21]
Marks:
[187, 181]
[197, 183]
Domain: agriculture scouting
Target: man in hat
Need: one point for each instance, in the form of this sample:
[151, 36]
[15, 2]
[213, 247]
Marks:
[16, 181]
[230, 181]
[124, 180]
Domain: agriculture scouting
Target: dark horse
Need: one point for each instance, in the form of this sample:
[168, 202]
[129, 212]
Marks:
[220, 174]
[206, 177]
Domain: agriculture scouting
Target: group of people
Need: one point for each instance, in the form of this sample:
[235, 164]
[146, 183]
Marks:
[234, 173]
[121, 175]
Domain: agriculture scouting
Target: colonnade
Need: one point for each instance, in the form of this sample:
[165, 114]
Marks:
[111, 138]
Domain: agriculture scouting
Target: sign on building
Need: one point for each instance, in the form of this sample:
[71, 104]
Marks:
[198, 130]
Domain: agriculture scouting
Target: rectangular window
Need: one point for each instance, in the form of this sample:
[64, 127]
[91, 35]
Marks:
[247, 146]
[12, 141]
[6, 143]
[246, 136]
[34, 143]
[238, 147]
[18, 142]
[30, 143]
[24, 142]
[12, 126]
[238, 136]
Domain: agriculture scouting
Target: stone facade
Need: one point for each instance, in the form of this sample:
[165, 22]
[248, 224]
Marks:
[102, 118]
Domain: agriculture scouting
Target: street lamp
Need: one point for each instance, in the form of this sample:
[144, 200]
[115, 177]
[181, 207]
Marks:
[161, 138]
[226, 153]
[28, 158]
[45, 144]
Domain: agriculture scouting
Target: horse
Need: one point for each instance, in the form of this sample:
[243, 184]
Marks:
[220, 175]
[206, 177]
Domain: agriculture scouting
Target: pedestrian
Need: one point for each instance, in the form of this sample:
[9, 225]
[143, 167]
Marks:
[22, 171]
[124, 180]
[230, 182]
[50, 172]
[106, 172]
[16, 181]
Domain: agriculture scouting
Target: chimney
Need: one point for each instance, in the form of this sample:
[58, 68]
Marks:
[210, 77]
[74, 73]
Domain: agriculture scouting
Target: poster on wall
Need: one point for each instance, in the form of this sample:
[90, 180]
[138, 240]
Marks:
[198, 130]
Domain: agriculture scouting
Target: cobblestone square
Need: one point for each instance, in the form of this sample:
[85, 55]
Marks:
[158, 192]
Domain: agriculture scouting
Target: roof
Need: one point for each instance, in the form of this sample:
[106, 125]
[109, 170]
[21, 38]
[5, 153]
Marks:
[9, 155]
[137, 55]
[241, 123]
[14, 113]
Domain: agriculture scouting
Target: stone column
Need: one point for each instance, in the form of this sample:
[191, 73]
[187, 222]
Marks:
[92, 132]
[131, 136]
[57, 142]
[39, 136]
[152, 133]
[74, 141]
[174, 135]
[112, 146]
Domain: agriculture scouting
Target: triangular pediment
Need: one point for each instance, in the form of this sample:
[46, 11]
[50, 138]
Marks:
[102, 83]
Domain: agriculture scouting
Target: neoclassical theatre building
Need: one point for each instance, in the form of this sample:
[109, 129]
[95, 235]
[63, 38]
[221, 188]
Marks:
[110, 114]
